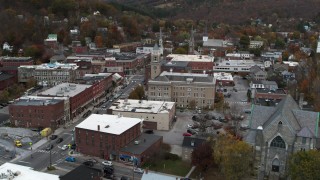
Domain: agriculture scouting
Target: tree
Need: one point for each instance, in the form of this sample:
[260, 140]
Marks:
[4, 96]
[202, 156]
[304, 165]
[244, 42]
[180, 50]
[137, 93]
[233, 156]
[192, 104]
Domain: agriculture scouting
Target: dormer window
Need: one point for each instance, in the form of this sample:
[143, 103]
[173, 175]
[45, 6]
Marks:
[280, 123]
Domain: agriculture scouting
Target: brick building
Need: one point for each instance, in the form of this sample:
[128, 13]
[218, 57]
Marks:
[33, 113]
[6, 80]
[101, 83]
[15, 61]
[80, 96]
[104, 135]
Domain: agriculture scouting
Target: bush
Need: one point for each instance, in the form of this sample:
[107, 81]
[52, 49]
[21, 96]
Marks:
[51, 168]
[170, 156]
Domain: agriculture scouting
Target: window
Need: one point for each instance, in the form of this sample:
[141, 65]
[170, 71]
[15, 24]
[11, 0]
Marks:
[278, 142]
[304, 140]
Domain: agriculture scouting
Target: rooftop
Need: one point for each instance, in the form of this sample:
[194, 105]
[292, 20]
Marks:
[36, 102]
[112, 124]
[65, 89]
[156, 175]
[237, 63]
[142, 106]
[82, 172]
[55, 65]
[25, 173]
[193, 58]
[182, 77]
[6, 58]
[267, 90]
[223, 76]
[145, 141]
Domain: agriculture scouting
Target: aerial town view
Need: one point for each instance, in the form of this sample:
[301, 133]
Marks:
[159, 90]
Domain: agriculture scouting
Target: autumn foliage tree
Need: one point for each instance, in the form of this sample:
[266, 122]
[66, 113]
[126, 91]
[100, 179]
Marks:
[202, 156]
[137, 93]
[233, 156]
[304, 165]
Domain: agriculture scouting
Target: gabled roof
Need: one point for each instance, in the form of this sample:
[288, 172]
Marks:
[305, 132]
[301, 123]
[255, 69]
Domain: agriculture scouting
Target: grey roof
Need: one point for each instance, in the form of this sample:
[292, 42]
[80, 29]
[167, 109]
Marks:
[251, 137]
[289, 112]
[145, 141]
[197, 141]
[269, 83]
[305, 132]
[168, 78]
[255, 69]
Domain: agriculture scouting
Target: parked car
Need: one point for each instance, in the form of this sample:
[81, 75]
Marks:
[138, 170]
[189, 125]
[149, 131]
[49, 147]
[93, 160]
[107, 163]
[53, 137]
[70, 159]
[73, 146]
[187, 134]
[88, 163]
[65, 147]
[222, 119]
[59, 140]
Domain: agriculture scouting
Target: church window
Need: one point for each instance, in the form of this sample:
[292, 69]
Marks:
[278, 142]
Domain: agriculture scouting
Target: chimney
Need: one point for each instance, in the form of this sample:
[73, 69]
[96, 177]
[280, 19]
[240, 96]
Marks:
[98, 127]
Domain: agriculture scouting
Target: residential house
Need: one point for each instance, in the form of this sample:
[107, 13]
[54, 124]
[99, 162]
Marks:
[257, 73]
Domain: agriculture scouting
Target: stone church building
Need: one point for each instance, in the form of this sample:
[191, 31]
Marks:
[277, 132]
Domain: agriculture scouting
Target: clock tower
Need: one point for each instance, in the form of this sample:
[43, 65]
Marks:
[155, 62]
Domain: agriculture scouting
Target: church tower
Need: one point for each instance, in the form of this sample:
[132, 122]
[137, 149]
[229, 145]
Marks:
[155, 62]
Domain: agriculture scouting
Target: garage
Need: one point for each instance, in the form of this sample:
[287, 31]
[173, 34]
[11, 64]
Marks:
[150, 125]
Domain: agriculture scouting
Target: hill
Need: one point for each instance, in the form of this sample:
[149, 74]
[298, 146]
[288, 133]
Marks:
[227, 11]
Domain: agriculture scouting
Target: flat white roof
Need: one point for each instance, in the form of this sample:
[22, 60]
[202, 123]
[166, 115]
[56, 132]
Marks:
[187, 57]
[165, 73]
[112, 124]
[291, 63]
[26, 173]
[142, 106]
[223, 76]
[65, 89]
[237, 63]
[57, 65]
[42, 97]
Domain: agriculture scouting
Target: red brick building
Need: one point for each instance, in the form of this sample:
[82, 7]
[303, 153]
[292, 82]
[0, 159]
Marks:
[6, 80]
[101, 83]
[33, 113]
[80, 96]
[16, 61]
[104, 135]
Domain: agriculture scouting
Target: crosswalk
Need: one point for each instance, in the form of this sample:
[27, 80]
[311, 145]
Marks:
[45, 151]
[237, 102]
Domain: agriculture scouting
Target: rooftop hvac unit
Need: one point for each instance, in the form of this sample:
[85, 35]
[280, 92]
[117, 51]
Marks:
[136, 142]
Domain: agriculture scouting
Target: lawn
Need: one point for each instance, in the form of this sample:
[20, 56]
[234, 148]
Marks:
[211, 173]
[175, 167]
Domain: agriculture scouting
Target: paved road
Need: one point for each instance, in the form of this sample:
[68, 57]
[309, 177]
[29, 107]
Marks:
[40, 157]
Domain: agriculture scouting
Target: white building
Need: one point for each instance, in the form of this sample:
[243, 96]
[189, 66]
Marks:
[190, 58]
[239, 55]
[157, 115]
[19, 172]
[48, 74]
[242, 66]
[255, 44]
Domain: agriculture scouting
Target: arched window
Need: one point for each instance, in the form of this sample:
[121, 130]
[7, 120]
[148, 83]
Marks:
[278, 142]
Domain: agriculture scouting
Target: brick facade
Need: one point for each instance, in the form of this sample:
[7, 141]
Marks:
[104, 145]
